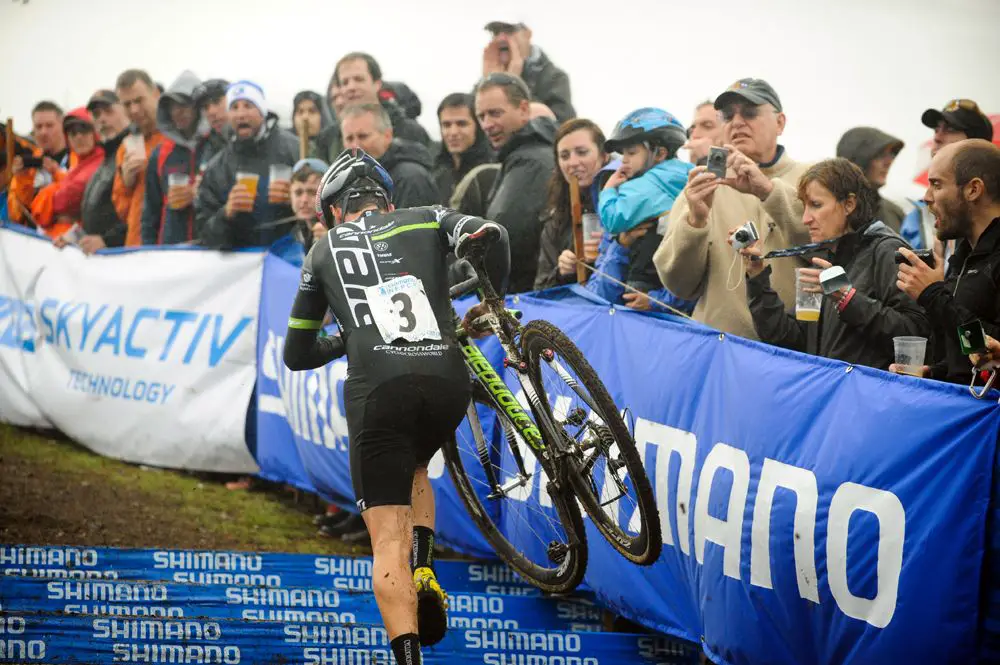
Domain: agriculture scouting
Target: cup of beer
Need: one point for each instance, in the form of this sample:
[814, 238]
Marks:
[278, 173]
[135, 144]
[176, 180]
[591, 223]
[910, 353]
[807, 304]
[248, 180]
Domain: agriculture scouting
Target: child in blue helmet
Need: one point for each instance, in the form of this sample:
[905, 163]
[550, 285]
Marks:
[635, 198]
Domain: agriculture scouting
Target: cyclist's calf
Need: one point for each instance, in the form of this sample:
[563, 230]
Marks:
[391, 530]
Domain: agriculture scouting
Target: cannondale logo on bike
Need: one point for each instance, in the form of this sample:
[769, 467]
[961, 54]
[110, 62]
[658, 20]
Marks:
[485, 373]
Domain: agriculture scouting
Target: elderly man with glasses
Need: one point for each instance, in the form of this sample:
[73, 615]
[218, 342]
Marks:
[695, 261]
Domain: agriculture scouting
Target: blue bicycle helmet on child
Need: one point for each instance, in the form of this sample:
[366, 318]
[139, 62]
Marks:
[352, 174]
[649, 125]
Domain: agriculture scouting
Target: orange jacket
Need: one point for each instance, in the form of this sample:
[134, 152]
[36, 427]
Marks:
[22, 191]
[128, 200]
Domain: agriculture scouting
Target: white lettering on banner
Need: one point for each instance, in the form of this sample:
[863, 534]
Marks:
[654, 647]
[475, 604]
[727, 532]
[125, 610]
[226, 579]
[61, 573]
[803, 483]
[534, 659]
[560, 643]
[48, 556]
[328, 656]
[20, 650]
[170, 653]
[107, 591]
[12, 625]
[886, 506]
[482, 623]
[310, 401]
[577, 611]
[343, 635]
[299, 616]
[17, 324]
[149, 629]
[672, 441]
[208, 561]
[283, 597]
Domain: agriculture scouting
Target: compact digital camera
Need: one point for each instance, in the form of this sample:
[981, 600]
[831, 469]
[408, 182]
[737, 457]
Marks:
[925, 255]
[716, 163]
[745, 235]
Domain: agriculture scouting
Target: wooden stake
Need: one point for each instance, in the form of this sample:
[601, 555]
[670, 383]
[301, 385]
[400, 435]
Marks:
[576, 214]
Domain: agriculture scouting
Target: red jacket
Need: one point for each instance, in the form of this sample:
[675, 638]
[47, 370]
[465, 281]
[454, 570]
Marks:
[57, 206]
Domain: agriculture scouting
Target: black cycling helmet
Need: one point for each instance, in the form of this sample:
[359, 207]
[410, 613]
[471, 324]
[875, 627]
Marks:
[647, 125]
[208, 90]
[353, 173]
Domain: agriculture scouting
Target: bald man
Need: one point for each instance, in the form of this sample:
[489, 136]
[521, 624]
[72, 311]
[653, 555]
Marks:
[964, 197]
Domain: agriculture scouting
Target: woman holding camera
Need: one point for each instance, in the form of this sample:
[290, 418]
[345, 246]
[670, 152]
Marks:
[858, 320]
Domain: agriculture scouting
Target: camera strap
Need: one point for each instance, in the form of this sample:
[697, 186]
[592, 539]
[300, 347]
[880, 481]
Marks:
[800, 250]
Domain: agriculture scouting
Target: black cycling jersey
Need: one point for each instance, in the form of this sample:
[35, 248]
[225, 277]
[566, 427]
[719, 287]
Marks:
[385, 278]
[377, 250]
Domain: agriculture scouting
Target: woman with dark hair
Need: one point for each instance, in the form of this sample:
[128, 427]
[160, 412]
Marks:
[579, 151]
[310, 111]
[858, 321]
[464, 148]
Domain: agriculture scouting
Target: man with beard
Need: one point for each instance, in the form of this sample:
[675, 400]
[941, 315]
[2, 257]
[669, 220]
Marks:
[964, 197]
[247, 211]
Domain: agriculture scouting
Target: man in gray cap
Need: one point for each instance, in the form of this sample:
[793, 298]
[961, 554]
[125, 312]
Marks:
[511, 52]
[695, 260]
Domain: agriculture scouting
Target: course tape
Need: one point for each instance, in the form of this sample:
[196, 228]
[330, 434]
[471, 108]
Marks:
[74, 639]
[115, 598]
[342, 573]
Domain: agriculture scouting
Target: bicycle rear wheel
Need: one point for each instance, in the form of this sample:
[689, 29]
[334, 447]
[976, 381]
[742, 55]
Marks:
[537, 532]
[604, 466]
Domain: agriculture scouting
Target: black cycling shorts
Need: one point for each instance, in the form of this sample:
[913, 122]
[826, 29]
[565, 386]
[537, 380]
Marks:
[397, 426]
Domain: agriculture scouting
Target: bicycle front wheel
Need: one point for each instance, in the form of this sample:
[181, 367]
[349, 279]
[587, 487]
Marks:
[534, 527]
[603, 463]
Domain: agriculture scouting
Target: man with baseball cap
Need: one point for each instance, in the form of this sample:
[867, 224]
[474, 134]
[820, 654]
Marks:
[511, 51]
[694, 259]
[960, 119]
[231, 212]
[101, 225]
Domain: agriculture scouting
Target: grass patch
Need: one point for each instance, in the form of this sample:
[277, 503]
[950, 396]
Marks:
[55, 481]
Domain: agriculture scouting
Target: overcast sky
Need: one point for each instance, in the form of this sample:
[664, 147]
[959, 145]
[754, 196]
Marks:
[835, 64]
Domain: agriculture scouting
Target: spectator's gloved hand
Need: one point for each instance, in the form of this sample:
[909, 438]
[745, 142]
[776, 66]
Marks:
[239, 201]
[989, 360]
[916, 275]
[743, 175]
[473, 325]
[700, 192]
[753, 264]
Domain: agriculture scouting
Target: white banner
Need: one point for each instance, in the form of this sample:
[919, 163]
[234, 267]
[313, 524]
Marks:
[146, 356]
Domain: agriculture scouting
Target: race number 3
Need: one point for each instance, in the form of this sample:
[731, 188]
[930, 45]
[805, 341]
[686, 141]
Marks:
[401, 310]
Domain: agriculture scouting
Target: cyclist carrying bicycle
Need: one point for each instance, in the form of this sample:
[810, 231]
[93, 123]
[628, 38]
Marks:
[382, 272]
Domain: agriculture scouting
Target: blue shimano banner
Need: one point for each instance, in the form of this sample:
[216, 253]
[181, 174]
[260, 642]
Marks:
[812, 512]
[100, 640]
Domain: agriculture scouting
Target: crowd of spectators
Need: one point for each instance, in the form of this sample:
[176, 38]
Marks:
[207, 162]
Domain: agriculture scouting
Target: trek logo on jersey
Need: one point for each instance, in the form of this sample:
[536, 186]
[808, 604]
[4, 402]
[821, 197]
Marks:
[357, 268]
